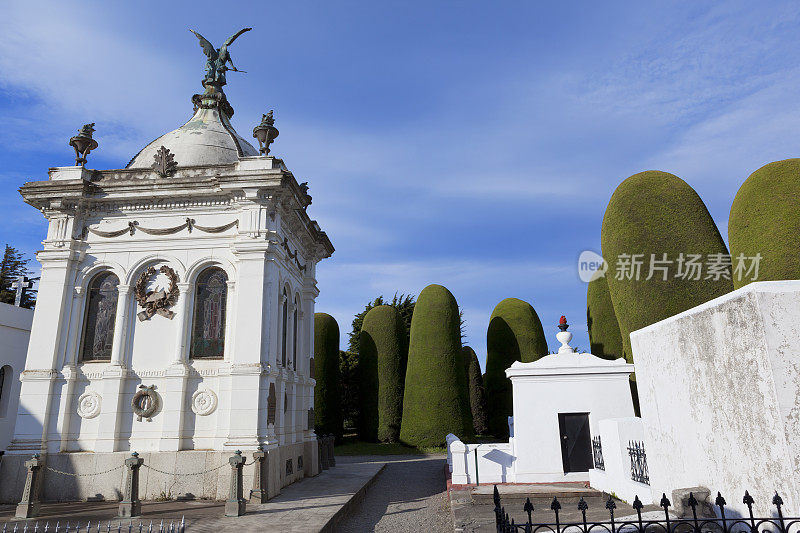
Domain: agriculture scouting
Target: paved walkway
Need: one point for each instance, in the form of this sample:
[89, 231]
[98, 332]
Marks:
[410, 495]
[313, 504]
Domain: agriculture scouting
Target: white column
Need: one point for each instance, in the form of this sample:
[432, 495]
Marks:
[120, 326]
[183, 321]
[36, 392]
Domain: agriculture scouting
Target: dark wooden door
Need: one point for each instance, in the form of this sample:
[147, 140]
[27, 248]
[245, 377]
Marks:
[576, 442]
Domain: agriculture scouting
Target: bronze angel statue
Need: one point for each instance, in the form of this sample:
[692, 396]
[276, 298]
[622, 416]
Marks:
[218, 59]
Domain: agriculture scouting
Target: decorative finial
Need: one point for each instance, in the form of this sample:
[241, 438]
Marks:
[217, 60]
[265, 132]
[83, 143]
[564, 336]
[164, 163]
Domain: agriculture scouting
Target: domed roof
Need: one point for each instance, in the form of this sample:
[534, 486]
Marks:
[207, 139]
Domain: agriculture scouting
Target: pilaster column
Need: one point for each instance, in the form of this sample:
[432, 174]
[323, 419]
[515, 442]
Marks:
[120, 326]
[183, 322]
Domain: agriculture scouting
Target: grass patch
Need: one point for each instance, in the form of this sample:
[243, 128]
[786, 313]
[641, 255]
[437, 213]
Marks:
[349, 445]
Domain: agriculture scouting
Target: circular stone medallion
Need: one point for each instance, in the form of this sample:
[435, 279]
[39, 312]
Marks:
[89, 404]
[145, 402]
[204, 402]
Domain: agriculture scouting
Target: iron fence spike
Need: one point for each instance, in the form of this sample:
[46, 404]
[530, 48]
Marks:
[582, 505]
[777, 500]
[528, 506]
[610, 503]
[692, 500]
[556, 505]
[748, 500]
[664, 501]
[637, 503]
[720, 501]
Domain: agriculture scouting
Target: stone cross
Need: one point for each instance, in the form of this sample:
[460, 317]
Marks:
[131, 505]
[259, 492]
[19, 285]
[236, 504]
[29, 506]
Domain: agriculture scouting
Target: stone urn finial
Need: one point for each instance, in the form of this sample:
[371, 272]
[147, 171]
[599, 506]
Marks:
[564, 336]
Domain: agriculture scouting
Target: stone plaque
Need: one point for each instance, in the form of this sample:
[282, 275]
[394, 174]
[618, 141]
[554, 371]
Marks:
[271, 404]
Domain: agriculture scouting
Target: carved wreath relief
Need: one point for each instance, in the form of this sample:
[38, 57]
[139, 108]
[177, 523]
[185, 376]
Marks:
[145, 402]
[89, 404]
[204, 402]
[156, 302]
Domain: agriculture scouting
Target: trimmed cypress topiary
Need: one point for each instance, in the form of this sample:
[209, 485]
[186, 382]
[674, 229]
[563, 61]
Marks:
[656, 213]
[383, 348]
[436, 400]
[477, 396]
[765, 219]
[327, 406]
[604, 336]
[515, 334]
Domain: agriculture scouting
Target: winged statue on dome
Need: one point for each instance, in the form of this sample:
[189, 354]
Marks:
[218, 59]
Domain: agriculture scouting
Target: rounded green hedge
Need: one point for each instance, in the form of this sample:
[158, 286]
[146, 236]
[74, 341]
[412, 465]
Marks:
[436, 400]
[765, 219]
[604, 336]
[327, 396]
[657, 213]
[515, 334]
[383, 346]
[477, 395]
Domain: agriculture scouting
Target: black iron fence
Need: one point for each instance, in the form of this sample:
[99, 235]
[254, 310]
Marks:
[77, 527]
[668, 524]
[638, 462]
[597, 453]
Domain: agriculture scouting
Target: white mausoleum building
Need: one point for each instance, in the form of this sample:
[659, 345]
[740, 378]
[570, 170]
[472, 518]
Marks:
[174, 317]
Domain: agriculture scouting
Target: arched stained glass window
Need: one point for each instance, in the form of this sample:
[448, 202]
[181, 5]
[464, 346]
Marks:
[285, 327]
[101, 310]
[208, 331]
[295, 340]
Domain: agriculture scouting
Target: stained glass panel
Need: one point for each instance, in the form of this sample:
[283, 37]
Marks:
[208, 332]
[101, 310]
[294, 336]
[285, 327]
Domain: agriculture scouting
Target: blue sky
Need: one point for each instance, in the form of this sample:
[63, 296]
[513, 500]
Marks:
[471, 144]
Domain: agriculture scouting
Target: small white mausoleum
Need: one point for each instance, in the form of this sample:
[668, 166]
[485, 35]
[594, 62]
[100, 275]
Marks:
[558, 402]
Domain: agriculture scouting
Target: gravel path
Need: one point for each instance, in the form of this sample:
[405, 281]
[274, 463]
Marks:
[409, 495]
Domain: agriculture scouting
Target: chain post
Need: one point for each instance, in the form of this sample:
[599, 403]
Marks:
[258, 494]
[29, 505]
[130, 505]
[236, 504]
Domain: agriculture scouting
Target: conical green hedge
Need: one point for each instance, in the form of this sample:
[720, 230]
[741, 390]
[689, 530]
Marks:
[477, 395]
[382, 346]
[327, 406]
[515, 334]
[658, 213]
[436, 400]
[604, 336]
[765, 219]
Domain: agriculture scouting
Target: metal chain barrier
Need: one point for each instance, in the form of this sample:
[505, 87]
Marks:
[82, 475]
[185, 473]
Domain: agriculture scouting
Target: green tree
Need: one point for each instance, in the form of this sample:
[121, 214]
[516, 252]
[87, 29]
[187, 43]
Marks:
[383, 345]
[515, 334]
[765, 221]
[327, 397]
[604, 336]
[436, 399]
[658, 215]
[477, 395]
[349, 360]
[14, 264]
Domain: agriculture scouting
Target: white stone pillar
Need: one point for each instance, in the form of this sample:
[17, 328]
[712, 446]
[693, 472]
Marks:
[36, 392]
[183, 323]
[120, 326]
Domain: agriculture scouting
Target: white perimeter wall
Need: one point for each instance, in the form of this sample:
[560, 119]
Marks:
[719, 387]
[15, 332]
